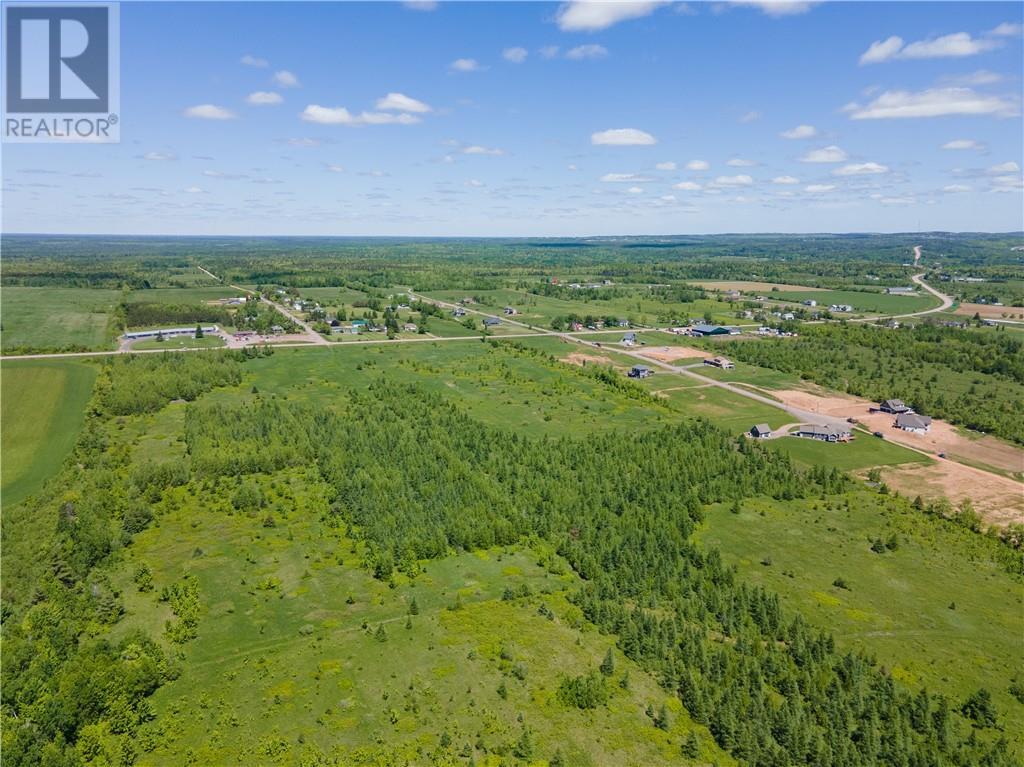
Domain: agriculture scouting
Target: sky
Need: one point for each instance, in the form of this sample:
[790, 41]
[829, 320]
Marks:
[545, 119]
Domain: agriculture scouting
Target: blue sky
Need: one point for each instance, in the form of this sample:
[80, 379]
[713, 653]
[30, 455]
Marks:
[465, 118]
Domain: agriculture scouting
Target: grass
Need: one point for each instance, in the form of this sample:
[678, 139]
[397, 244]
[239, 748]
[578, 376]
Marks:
[43, 409]
[57, 318]
[938, 611]
[880, 303]
[179, 342]
[863, 452]
[289, 662]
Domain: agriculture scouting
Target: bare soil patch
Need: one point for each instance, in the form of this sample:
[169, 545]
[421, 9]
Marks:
[763, 287]
[672, 353]
[999, 500]
[943, 438]
[581, 359]
[992, 312]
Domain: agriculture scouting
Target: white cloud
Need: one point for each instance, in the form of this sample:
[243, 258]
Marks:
[698, 165]
[622, 137]
[465, 65]
[749, 117]
[1005, 167]
[571, 166]
[827, 154]
[881, 50]
[399, 102]
[159, 156]
[861, 169]
[635, 190]
[740, 180]
[956, 45]
[474, 182]
[254, 61]
[666, 166]
[962, 143]
[779, 7]
[315, 113]
[1007, 29]
[334, 168]
[800, 131]
[1007, 183]
[263, 98]
[475, 149]
[819, 188]
[589, 51]
[420, 5]
[516, 54]
[934, 102]
[304, 142]
[193, 190]
[785, 180]
[548, 51]
[956, 188]
[286, 79]
[739, 162]
[978, 77]
[687, 186]
[619, 178]
[584, 16]
[209, 112]
[897, 200]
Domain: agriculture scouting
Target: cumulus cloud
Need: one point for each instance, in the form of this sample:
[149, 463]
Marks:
[590, 51]
[1006, 29]
[592, 16]
[665, 166]
[286, 79]
[254, 61]
[778, 7]
[635, 190]
[621, 178]
[934, 102]
[622, 137]
[687, 186]
[819, 188]
[476, 149]
[800, 131]
[1005, 167]
[785, 180]
[516, 54]
[978, 77]
[739, 162]
[698, 165]
[861, 169]
[159, 156]
[399, 102]
[209, 112]
[193, 190]
[825, 155]
[263, 98]
[956, 188]
[956, 45]
[740, 180]
[465, 65]
[315, 113]
[962, 143]
[334, 168]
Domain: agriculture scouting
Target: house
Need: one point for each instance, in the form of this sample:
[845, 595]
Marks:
[787, 316]
[732, 295]
[490, 322]
[761, 431]
[629, 339]
[900, 291]
[640, 371]
[894, 406]
[410, 327]
[919, 424]
[359, 323]
[459, 312]
[709, 330]
[511, 311]
[276, 329]
[840, 308]
[576, 326]
[825, 433]
[720, 362]
[623, 323]
[810, 302]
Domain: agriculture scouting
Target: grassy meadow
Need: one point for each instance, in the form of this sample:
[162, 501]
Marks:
[862, 302]
[864, 452]
[57, 318]
[43, 408]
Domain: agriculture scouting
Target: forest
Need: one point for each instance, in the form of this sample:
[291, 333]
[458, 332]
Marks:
[416, 480]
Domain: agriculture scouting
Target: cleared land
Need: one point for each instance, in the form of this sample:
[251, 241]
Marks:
[991, 312]
[744, 285]
[41, 413]
[878, 303]
[673, 353]
[862, 453]
[57, 318]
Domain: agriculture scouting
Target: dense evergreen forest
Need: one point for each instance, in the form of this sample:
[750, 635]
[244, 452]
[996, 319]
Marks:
[417, 479]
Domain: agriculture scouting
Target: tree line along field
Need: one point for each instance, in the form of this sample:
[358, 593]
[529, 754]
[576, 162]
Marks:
[345, 588]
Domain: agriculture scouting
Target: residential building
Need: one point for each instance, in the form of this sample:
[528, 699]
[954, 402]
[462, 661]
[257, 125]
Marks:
[919, 424]
[720, 362]
[629, 339]
[810, 302]
[761, 431]
[840, 308]
[825, 433]
[894, 406]
[490, 322]
[710, 330]
[410, 327]
[640, 371]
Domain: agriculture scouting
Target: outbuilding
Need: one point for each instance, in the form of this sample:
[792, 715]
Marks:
[640, 371]
[761, 431]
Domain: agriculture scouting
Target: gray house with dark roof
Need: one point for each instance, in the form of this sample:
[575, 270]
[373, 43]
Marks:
[825, 433]
[919, 424]
[761, 431]
[894, 406]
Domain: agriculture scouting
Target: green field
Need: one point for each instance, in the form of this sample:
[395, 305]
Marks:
[937, 611]
[43, 407]
[289, 661]
[876, 303]
[863, 452]
[56, 318]
[179, 342]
